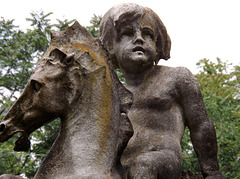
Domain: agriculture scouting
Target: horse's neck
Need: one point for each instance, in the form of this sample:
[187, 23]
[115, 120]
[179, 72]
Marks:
[87, 143]
[90, 137]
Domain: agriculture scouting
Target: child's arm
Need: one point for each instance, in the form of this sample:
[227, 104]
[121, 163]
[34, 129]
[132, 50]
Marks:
[202, 131]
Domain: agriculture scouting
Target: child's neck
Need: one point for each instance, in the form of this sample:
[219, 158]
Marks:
[134, 80]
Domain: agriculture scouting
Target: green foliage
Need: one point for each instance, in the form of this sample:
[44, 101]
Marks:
[94, 28]
[10, 161]
[219, 83]
[27, 163]
[41, 26]
[62, 25]
[189, 157]
[15, 60]
[120, 75]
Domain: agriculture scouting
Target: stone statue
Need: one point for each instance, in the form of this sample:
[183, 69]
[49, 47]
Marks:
[7, 176]
[75, 82]
[165, 99]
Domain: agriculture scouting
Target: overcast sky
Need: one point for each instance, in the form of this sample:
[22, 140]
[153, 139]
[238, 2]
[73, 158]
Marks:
[198, 28]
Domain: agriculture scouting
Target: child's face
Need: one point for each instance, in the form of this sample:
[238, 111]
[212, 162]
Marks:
[135, 46]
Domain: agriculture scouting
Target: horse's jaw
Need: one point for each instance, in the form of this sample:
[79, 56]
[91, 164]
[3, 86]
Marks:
[20, 120]
[7, 130]
[11, 124]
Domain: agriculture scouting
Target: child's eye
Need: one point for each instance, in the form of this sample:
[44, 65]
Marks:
[148, 32]
[127, 32]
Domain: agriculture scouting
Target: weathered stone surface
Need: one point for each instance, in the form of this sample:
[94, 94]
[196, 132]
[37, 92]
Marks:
[7, 176]
[165, 99]
[74, 81]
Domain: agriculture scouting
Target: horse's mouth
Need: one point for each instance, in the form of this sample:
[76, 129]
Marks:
[5, 134]
[2, 127]
[22, 144]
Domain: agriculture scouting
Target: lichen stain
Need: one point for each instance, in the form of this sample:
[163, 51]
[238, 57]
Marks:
[91, 51]
[103, 110]
[101, 83]
[105, 116]
[98, 57]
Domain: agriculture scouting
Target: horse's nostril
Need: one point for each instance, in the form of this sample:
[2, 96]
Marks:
[2, 127]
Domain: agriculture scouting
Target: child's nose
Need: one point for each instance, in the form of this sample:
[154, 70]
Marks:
[138, 37]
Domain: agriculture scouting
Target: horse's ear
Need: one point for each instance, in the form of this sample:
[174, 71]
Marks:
[58, 54]
[62, 57]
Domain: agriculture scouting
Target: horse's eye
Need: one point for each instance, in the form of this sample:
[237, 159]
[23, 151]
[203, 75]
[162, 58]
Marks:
[70, 57]
[69, 60]
[36, 86]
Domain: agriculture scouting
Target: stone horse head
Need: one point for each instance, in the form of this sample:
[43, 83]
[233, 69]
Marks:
[75, 82]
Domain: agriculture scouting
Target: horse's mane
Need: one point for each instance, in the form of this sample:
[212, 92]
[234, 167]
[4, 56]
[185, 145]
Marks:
[78, 40]
[72, 34]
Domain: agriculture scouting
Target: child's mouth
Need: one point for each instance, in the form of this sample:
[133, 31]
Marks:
[139, 50]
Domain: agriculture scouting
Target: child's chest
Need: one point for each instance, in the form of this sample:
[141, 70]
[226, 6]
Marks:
[158, 94]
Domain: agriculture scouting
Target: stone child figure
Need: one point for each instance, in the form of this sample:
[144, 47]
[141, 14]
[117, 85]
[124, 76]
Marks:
[166, 99]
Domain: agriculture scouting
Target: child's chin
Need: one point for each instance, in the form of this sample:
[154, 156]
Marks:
[141, 59]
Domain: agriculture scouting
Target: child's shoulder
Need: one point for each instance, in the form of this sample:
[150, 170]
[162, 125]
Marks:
[173, 71]
[181, 76]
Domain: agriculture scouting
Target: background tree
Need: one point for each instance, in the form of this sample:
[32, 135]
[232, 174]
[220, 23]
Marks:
[95, 24]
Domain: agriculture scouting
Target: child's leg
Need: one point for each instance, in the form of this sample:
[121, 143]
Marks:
[156, 165]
